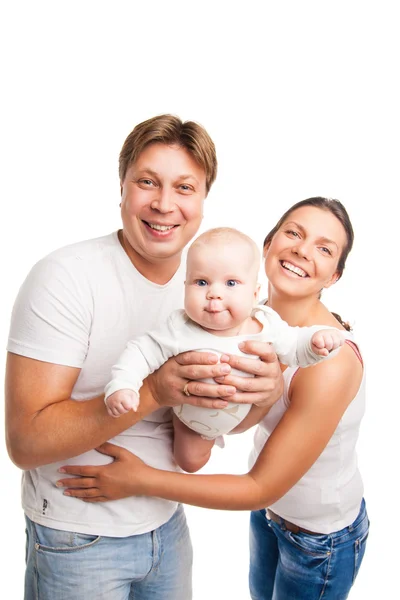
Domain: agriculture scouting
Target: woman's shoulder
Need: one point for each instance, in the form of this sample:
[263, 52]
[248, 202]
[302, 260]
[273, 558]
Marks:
[335, 380]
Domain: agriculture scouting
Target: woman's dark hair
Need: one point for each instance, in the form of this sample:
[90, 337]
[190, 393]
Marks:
[338, 210]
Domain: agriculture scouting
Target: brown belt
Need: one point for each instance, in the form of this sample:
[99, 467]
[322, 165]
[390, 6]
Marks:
[289, 526]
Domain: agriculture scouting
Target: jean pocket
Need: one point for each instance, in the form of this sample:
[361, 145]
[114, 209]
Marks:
[55, 540]
[318, 546]
[359, 551]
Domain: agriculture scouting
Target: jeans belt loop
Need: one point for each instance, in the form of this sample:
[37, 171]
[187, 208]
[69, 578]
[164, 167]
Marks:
[292, 527]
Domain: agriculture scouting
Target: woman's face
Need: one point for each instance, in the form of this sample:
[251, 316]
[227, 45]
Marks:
[303, 256]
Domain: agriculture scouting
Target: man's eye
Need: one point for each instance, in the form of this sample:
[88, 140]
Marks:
[326, 250]
[201, 282]
[146, 181]
[231, 283]
[185, 189]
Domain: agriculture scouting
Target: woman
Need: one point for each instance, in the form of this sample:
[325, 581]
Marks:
[310, 541]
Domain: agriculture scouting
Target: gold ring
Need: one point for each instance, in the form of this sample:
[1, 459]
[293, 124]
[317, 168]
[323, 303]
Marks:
[185, 390]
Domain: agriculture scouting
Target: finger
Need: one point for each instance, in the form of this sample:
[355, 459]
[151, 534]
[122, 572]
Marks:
[79, 470]
[92, 492]
[95, 499]
[262, 349]
[196, 358]
[249, 365]
[320, 342]
[77, 482]
[209, 390]
[258, 398]
[203, 372]
[206, 402]
[111, 450]
[245, 384]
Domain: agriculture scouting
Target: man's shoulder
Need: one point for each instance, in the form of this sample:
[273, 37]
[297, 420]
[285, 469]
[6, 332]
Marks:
[78, 261]
[85, 250]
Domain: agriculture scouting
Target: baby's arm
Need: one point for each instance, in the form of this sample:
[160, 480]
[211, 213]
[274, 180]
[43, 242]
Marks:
[191, 451]
[141, 357]
[295, 346]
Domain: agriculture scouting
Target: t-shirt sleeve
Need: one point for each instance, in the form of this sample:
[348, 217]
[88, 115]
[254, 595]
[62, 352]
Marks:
[52, 315]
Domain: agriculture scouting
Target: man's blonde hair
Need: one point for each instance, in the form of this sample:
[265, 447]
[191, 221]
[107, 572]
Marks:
[170, 130]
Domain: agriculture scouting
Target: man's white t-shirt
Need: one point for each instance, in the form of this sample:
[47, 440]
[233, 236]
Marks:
[78, 307]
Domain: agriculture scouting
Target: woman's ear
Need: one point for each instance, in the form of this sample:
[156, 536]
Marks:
[266, 248]
[335, 277]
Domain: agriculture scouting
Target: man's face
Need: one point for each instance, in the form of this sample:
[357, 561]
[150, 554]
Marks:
[162, 199]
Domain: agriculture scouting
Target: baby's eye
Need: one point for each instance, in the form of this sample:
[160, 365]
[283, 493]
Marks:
[231, 282]
[201, 282]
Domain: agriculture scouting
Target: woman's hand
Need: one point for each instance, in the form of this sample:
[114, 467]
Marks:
[182, 372]
[122, 478]
[266, 386]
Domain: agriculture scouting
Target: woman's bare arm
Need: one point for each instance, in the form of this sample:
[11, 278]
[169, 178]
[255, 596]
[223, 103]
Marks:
[319, 397]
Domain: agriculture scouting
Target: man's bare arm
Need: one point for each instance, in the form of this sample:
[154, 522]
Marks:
[43, 424]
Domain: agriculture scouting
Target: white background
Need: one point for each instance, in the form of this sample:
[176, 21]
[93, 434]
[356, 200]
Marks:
[301, 99]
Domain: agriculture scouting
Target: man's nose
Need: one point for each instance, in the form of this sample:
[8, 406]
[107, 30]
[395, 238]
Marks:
[164, 200]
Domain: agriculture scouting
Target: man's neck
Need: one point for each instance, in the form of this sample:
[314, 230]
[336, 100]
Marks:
[159, 271]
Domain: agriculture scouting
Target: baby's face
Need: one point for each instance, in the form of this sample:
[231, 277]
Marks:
[221, 285]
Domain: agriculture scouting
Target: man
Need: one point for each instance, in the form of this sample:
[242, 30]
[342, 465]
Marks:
[73, 316]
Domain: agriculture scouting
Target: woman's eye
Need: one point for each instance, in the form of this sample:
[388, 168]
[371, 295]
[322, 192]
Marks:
[201, 282]
[292, 232]
[231, 282]
[326, 250]
[146, 181]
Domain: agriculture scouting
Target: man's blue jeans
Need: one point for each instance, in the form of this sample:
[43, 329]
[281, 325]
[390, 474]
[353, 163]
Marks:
[70, 566]
[285, 565]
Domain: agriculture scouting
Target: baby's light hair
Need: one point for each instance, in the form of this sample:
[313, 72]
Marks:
[227, 234]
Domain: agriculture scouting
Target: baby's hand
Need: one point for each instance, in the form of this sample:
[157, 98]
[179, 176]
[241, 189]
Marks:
[326, 340]
[121, 402]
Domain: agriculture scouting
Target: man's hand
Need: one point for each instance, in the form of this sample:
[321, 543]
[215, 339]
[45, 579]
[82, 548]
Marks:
[266, 386]
[182, 372]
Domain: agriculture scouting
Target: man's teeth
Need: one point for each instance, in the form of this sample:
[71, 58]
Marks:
[294, 269]
[160, 227]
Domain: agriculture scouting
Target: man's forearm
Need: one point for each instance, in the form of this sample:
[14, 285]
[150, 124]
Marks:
[69, 428]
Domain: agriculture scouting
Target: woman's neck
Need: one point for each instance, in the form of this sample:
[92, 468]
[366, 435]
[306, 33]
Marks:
[299, 312]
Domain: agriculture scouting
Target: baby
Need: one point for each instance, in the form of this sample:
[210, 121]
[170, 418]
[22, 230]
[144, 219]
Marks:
[221, 293]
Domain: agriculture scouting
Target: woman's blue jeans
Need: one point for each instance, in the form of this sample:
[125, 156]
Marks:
[62, 565]
[285, 565]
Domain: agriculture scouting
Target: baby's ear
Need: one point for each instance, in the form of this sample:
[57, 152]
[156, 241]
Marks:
[257, 292]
